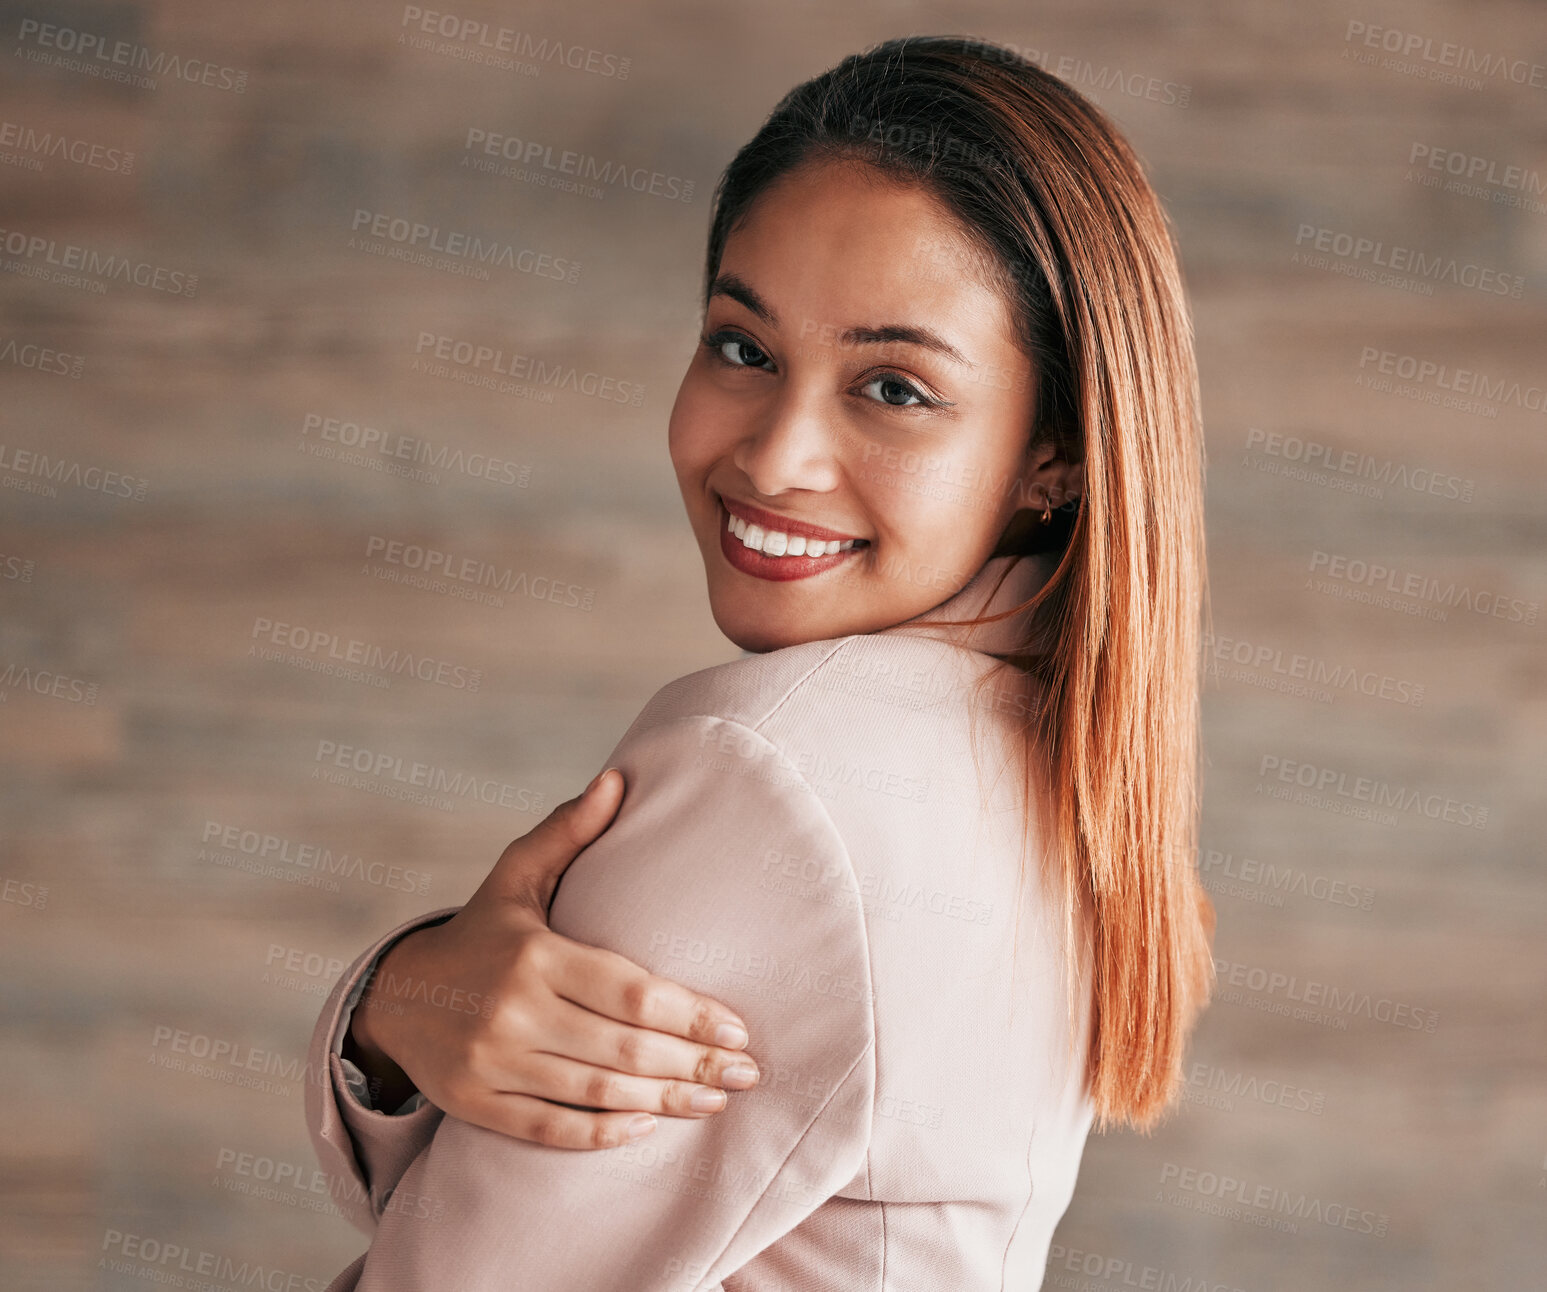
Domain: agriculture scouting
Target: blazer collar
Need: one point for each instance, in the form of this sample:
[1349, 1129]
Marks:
[1003, 583]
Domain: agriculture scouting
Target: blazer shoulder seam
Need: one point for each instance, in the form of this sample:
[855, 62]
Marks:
[795, 686]
[805, 1134]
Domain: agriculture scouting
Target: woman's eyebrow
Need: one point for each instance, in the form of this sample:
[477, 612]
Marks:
[904, 334]
[738, 289]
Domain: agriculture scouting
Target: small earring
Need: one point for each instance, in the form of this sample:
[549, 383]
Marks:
[1047, 509]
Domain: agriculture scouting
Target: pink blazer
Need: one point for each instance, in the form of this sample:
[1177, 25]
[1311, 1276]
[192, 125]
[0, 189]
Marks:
[811, 836]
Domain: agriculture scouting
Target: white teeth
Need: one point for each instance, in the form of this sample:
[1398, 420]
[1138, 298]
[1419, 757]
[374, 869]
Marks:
[774, 542]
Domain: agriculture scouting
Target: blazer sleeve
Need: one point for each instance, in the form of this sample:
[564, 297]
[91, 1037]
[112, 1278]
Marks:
[363, 1150]
[691, 880]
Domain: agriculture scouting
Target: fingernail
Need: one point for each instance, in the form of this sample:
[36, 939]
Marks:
[739, 1077]
[707, 1101]
[595, 780]
[730, 1036]
[641, 1125]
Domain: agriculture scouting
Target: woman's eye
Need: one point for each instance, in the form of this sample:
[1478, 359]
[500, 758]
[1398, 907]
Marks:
[895, 391]
[736, 350]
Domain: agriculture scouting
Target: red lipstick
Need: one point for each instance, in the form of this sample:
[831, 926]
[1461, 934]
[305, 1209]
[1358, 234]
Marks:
[779, 569]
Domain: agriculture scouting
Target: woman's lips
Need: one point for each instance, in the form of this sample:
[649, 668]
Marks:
[772, 521]
[778, 569]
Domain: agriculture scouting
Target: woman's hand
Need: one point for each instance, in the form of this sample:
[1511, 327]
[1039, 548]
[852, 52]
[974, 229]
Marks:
[545, 1029]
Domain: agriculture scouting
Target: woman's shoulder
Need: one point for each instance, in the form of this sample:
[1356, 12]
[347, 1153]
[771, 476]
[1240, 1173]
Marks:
[880, 723]
[880, 680]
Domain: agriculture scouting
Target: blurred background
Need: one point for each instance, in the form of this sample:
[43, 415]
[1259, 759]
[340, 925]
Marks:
[242, 415]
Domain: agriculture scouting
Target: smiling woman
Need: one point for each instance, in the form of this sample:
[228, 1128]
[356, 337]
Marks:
[825, 353]
[940, 449]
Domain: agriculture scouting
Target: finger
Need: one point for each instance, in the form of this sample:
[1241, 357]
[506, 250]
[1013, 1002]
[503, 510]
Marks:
[530, 866]
[588, 1037]
[613, 985]
[564, 1080]
[541, 1122]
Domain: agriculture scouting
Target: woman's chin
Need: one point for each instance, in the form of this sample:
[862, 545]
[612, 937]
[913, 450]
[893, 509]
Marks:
[757, 631]
[755, 637]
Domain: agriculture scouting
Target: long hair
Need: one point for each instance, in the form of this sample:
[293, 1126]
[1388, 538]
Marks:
[1072, 234]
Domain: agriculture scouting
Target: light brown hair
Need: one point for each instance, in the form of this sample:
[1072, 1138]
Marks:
[1075, 238]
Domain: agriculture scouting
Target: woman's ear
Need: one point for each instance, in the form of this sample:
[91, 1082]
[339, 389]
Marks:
[1068, 486]
[1051, 480]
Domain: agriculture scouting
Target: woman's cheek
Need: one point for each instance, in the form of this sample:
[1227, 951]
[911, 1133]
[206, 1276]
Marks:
[685, 436]
[701, 430]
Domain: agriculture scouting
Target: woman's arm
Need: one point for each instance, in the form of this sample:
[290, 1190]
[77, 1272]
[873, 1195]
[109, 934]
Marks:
[363, 1150]
[375, 1081]
[689, 883]
[486, 1013]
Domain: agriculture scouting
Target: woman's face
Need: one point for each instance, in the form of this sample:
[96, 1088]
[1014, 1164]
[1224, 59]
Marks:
[856, 381]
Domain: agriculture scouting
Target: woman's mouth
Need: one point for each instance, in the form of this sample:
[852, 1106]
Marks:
[779, 555]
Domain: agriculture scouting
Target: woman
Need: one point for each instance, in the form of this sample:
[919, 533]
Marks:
[932, 841]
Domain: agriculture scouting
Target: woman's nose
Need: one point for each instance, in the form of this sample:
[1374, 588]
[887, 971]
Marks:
[792, 444]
